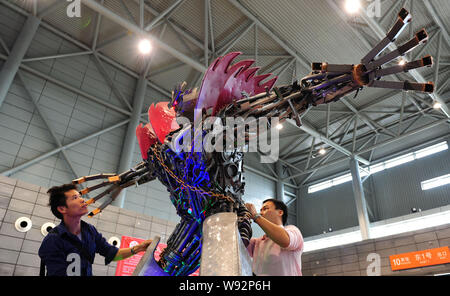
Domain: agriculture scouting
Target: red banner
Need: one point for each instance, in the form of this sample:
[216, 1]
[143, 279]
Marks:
[127, 266]
[420, 259]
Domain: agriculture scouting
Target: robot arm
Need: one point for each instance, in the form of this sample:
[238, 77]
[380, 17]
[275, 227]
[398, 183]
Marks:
[330, 82]
[138, 175]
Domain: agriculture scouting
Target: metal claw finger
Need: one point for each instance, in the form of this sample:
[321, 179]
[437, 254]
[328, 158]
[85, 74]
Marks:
[105, 203]
[110, 177]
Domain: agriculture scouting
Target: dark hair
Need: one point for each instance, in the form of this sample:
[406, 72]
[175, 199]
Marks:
[279, 205]
[57, 198]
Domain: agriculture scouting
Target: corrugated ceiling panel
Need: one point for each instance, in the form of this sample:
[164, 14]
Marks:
[225, 27]
[301, 25]
[81, 28]
[190, 15]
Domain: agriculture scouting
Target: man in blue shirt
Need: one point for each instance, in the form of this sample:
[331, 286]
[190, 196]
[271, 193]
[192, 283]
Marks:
[73, 237]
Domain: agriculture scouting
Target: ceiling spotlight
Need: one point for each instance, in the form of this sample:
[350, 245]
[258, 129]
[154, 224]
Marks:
[144, 46]
[402, 62]
[322, 151]
[279, 126]
[352, 6]
[437, 105]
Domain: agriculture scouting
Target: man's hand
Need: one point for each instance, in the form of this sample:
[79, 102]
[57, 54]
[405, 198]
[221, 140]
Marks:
[251, 208]
[142, 247]
[124, 253]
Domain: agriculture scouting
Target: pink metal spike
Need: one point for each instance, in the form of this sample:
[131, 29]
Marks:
[242, 80]
[250, 73]
[224, 63]
[162, 120]
[226, 94]
[269, 84]
[215, 78]
[240, 65]
[259, 78]
[146, 137]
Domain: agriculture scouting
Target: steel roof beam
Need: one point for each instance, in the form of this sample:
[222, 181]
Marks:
[70, 88]
[371, 123]
[163, 14]
[387, 142]
[65, 36]
[178, 28]
[272, 35]
[13, 170]
[220, 51]
[137, 30]
[308, 129]
[299, 59]
[42, 115]
[13, 61]
[430, 8]
[410, 113]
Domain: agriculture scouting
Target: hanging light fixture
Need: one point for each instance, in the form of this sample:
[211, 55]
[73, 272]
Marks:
[352, 6]
[145, 46]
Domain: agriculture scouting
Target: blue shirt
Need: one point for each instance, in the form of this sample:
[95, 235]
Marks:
[57, 245]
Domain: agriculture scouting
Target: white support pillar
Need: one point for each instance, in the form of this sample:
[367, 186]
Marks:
[130, 136]
[361, 207]
[11, 66]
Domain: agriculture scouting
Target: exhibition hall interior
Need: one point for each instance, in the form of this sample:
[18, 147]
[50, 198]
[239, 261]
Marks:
[342, 114]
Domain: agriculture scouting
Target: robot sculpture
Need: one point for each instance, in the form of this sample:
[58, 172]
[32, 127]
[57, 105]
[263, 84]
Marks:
[203, 183]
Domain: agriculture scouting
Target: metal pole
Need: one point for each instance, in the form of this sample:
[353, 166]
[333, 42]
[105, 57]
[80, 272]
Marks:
[11, 171]
[44, 119]
[130, 136]
[360, 201]
[256, 44]
[267, 176]
[205, 39]
[70, 88]
[57, 56]
[434, 15]
[438, 58]
[18, 51]
[162, 15]
[138, 31]
[269, 32]
[47, 124]
[321, 137]
[376, 146]
[280, 185]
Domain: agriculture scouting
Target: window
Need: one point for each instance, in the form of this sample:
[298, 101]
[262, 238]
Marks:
[383, 230]
[320, 186]
[342, 179]
[332, 241]
[431, 150]
[436, 182]
[396, 161]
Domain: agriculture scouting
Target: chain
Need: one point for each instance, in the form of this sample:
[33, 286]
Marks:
[157, 154]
